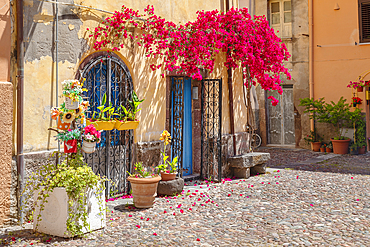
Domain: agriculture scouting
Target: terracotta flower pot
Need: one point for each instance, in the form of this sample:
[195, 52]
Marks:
[168, 176]
[70, 146]
[362, 150]
[360, 89]
[128, 125]
[340, 146]
[328, 150]
[144, 191]
[315, 146]
[322, 150]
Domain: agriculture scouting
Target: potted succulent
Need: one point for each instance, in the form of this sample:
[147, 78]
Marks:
[127, 116]
[329, 147]
[167, 169]
[104, 118]
[336, 114]
[69, 138]
[144, 186]
[90, 137]
[315, 140]
[72, 90]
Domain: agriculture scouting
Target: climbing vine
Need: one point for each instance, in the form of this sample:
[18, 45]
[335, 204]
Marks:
[187, 48]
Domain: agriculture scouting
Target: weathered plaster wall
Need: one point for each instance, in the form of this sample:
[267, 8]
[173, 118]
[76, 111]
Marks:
[6, 113]
[297, 65]
[5, 40]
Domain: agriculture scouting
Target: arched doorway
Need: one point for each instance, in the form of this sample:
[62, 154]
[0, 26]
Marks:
[106, 73]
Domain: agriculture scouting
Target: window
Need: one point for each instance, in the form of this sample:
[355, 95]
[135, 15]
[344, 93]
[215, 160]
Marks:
[281, 18]
[364, 20]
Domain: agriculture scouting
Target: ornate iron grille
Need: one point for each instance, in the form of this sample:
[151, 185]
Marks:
[177, 89]
[211, 111]
[113, 157]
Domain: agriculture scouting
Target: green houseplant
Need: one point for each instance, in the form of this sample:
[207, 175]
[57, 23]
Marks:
[144, 186]
[359, 136]
[336, 114]
[127, 116]
[315, 140]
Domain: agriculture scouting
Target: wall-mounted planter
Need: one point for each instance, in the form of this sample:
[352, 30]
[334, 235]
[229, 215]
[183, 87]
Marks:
[70, 104]
[55, 214]
[102, 125]
[126, 125]
[360, 89]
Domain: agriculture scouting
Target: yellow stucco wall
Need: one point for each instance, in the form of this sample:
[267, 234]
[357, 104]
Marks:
[5, 41]
[338, 60]
[40, 74]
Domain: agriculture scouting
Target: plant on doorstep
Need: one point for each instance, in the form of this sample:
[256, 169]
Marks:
[167, 169]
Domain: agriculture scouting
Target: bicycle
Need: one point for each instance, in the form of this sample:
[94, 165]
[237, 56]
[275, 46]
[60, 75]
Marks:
[256, 139]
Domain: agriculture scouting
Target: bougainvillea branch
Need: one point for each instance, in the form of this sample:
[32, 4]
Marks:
[188, 48]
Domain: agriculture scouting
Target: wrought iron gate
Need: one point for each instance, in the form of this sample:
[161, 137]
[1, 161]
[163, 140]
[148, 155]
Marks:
[177, 92]
[113, 157]
[211, 111]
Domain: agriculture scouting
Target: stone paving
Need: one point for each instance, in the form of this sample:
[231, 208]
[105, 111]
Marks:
[293, 204]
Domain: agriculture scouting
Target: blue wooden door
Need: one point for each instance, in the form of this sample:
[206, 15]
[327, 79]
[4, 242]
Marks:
[181, 124]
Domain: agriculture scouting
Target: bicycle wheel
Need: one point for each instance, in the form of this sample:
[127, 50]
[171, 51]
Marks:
[256, 141]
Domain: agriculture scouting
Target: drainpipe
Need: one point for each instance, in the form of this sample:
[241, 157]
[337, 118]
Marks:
[311, 55]
[20, 93]
[231, 97]
[56, 65]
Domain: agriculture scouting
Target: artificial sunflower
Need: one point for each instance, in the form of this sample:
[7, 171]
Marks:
[79, 111]
[55, 112]
[68, 117]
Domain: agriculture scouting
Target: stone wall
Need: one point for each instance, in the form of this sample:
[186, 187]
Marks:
[6, 121]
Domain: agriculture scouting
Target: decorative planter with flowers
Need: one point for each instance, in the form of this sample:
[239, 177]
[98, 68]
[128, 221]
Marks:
[144, 186]
[168, 170]
[69, 138]
[356, 101]
[68, 196]
[72, 90]
[315, 140]
[90, 137]
[127, 116]
[358, 85]
[103, 118]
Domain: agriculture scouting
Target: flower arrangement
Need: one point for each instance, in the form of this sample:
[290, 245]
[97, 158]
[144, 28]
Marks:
[313, 137]
[73, 89]
[141, 171]
[356, 100]
[166, 138]
[68, 135]
[91, 134]
[358, 84]
[67, 115]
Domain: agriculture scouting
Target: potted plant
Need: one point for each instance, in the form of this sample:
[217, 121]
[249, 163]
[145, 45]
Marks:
[90, 137]
[167, 174]
[323, 148]
[72, 90]
[315, 140]
[358, 85]
[68, 198]
[353, 148]
[69, 138]
[356, 101]
[127, 116]
[144, 186]
[336, 114]
[359, 125]
[104, 119]
[329, 147]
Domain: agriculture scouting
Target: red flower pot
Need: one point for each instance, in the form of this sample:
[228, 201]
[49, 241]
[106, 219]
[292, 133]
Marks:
[70, 146]
[360, 89]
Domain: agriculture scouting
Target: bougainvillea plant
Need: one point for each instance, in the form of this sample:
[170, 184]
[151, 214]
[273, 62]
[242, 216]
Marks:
[357, 84]
[248, 43]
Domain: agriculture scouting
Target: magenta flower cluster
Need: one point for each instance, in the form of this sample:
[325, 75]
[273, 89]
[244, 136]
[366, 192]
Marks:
[91, 134]
[246, 42]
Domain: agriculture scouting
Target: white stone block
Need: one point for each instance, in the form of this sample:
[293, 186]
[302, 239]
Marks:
[55, 214]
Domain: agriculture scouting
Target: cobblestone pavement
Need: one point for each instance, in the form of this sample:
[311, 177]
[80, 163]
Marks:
[298, 205]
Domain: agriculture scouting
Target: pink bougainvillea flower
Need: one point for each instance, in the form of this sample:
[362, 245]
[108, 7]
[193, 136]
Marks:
[174, 213]
[357, 199]
[351, 177]
[147, 219]
[165, 211]
[181, 211]
[141, 217]
[311, 205]
[190, 209]
[138, 226]
[198, 239]
[278, 170]
[241, 194]
[228, 194]
[277, 183]
[129, 215]
[155, 234]
[297, 177]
